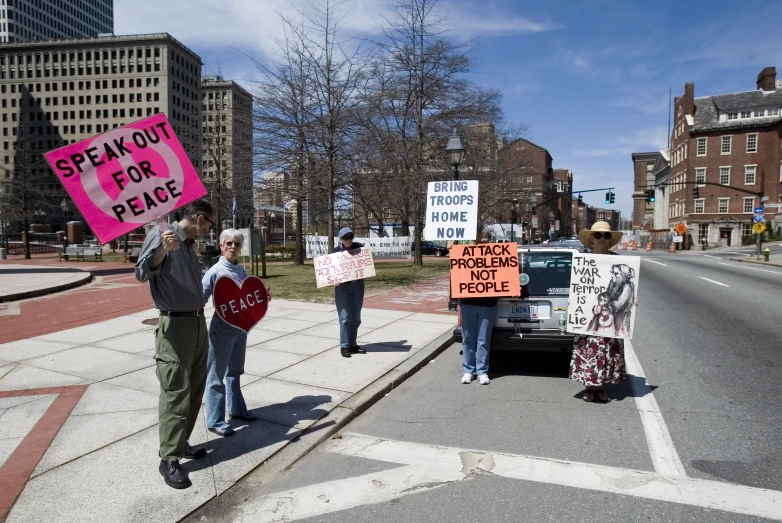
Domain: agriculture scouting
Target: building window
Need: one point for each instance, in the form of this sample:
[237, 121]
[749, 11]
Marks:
[746, 114]
[773, 112]
[701, 151]
[749, 205]
[726, 144]
[722, 205]
[749, 174]
[370, 216]
[733, 116]
[700, 176]
[760, 113]
[746, 229]
[752, 143]
[724, 175]
[699, 205]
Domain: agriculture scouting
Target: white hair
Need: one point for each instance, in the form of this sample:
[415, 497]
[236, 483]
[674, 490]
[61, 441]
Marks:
[231, 234]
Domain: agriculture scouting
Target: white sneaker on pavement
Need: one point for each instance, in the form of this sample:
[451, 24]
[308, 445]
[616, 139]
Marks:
[466, 378]
[483, 379]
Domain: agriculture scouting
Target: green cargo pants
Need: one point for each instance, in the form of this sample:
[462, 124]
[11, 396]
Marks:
[181, 349]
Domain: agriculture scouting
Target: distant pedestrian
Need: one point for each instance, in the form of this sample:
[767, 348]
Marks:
[227, 344]
[598, 360]
[174, 276]
[477, 317]
[349, 298]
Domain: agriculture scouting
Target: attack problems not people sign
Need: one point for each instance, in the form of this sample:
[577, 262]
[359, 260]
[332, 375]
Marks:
[452, 210]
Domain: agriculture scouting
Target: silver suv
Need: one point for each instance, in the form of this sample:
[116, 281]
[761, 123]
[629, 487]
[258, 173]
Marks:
[536, 320]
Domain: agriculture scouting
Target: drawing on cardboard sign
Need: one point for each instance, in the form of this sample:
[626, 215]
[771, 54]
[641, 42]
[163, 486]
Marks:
[603, 294]
[343, 266]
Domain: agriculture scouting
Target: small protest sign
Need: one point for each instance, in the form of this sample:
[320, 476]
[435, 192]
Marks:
[128, 176]
[452, 210]
[240, 306]
[485, 270]
[603, 292]
[343, 266]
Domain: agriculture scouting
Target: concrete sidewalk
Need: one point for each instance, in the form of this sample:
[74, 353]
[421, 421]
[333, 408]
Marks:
[102, 464]
[18, 282]
[774, 259]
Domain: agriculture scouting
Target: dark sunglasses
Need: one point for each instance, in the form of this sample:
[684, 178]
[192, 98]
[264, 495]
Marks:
[602, 236]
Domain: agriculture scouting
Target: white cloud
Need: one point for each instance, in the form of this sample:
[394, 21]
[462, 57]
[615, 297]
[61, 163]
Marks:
[645, 139]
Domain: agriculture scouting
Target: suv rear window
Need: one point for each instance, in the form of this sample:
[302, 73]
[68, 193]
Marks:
[549, 273]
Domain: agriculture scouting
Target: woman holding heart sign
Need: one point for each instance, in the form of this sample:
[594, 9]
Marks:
[228, 343]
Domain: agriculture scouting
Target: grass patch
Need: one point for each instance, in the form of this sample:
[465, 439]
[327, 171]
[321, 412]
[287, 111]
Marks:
[297, 282]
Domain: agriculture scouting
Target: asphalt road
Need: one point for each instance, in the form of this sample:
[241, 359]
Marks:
[702, 442]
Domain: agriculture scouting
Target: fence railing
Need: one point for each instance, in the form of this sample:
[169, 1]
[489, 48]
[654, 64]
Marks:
[40, 242]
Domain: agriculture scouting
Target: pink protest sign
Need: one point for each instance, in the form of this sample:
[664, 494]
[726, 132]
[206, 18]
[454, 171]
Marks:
[128, 176]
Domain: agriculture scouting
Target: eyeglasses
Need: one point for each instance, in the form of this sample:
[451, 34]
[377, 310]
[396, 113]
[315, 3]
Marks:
[602, 236]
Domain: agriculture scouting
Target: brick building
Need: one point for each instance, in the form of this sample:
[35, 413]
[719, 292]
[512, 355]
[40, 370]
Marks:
[563, 207]
[612, 216]
[725, 145]
[583, 216]
[643, 179]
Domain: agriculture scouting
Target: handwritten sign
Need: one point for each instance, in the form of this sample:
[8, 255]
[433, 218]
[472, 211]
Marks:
[128, 176]
[452, 210]
[603, 292]
[485, 270]
[344, 266]
[241, 306]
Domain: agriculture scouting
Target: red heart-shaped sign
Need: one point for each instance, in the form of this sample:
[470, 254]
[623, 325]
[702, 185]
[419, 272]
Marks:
[241, 306]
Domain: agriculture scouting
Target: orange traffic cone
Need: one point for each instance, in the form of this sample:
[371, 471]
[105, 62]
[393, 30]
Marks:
[635, 245]
[649, 247]
[672, 248]
[624, 246]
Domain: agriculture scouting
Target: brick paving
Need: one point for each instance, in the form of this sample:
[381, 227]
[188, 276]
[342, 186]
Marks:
[429, 296]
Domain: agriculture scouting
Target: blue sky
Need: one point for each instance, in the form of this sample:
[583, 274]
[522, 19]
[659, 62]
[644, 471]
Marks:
[590, 77]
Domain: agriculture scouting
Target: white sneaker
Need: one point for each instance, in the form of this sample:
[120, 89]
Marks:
[466, 378]
[483, 379]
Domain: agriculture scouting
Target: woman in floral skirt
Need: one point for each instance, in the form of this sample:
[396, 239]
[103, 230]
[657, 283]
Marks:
[598, 360]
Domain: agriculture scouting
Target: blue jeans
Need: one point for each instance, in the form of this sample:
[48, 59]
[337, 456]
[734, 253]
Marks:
[227, 347]
[350, 298]
[477, 324]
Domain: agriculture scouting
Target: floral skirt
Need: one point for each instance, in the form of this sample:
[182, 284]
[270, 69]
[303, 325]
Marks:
[597, 360]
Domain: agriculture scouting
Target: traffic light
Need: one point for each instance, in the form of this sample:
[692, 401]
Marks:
[613, 197]
[695, 193]
[580, 200]
[608, 197]
[650, 195]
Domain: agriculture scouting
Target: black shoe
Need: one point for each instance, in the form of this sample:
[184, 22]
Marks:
[173, 474]
[355, 349]
[345, 351]
[194, 452]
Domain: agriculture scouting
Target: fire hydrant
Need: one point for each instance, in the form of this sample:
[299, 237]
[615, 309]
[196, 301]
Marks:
[766, 253]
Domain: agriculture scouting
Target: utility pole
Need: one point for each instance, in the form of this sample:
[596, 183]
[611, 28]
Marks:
[762, 193]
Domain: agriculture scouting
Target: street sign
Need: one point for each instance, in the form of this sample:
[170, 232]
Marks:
[758, 219]
[758, 210]
[775, 205]
[764, 199]
[534, 221]
[758, 228]
[681, 228]
[678, 239]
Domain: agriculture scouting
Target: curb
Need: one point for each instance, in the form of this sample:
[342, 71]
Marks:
[49, 290]
[227, 504]
[757, 262]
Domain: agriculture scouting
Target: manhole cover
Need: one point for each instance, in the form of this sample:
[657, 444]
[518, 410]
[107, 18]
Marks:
[151, 321]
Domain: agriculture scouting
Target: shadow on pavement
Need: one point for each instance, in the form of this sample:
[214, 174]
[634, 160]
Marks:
[387, 346]
[39, 270]
[255, 435]
[624, 390]
[540, 364]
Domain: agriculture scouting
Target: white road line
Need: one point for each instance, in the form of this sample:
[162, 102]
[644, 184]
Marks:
[428, 466]
[714, 282]
[652, 261]
[710, 256]
[751, 268]
[664, 457]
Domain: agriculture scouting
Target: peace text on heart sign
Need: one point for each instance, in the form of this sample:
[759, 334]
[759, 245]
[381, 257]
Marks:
[128, 176]
[241, 306]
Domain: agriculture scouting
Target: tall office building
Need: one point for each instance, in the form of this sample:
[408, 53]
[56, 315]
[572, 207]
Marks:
[28, 20]
[228, 148]
[57, 92]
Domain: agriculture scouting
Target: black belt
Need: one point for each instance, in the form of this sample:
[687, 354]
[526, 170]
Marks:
[179, 314]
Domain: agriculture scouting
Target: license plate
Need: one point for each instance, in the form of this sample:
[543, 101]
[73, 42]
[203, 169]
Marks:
[519, 310]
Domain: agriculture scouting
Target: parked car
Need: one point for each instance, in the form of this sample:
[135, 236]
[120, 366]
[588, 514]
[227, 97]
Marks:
[431, 248]
[536, 320]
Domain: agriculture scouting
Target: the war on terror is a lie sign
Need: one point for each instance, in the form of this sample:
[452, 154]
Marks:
[128, 176]
[451, 210]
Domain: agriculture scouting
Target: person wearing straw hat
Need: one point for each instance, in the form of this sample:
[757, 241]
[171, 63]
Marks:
[597, 360]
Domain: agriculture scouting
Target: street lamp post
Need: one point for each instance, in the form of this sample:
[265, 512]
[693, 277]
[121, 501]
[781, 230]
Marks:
[455, 151]
[64, 209]
[534, 202]
[551, 217]
[271, 227]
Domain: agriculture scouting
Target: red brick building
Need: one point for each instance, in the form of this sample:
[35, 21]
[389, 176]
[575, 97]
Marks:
[583, 217]
[643, 179]
[609, 215]
[721, 144]
[564, 206]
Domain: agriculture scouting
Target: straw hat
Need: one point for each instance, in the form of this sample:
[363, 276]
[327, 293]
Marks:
[601, 226]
